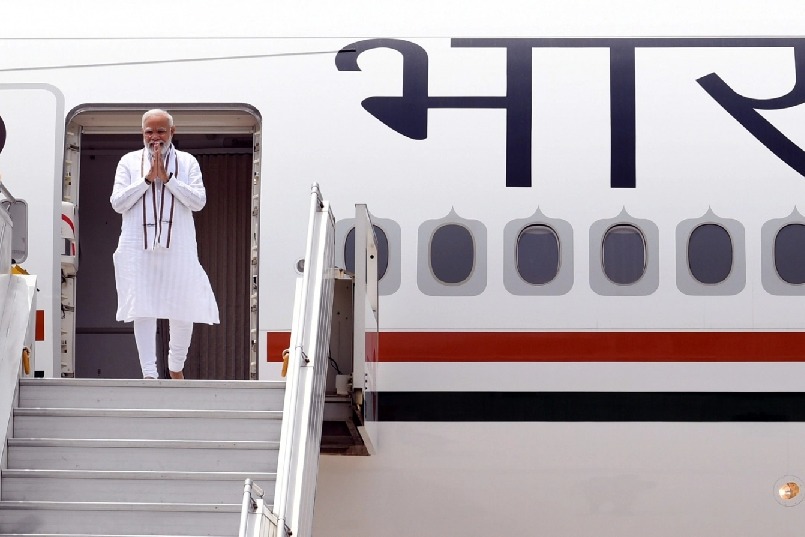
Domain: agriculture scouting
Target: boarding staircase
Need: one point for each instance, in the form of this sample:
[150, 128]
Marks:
[96, 457]
[137, 457]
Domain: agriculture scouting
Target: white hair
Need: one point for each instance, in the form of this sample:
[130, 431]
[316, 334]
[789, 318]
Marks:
[157, 112]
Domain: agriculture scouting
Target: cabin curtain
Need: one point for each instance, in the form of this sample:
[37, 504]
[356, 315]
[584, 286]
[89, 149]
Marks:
[223, 228]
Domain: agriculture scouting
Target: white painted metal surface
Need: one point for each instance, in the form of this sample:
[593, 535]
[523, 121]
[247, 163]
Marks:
[37, 181]
[114, 470]
[17, 318]
[609, 479]
[366, 317]
[116, 394]
[140, 486]
[297, 472]
[256, 519]
[222, 425]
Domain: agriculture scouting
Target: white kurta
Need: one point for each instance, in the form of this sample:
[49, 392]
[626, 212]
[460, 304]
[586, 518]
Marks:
[157, 272]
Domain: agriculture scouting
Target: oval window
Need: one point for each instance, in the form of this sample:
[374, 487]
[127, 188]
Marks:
[624, 254]
[382, 252]
[789, 253]
[710, 253]
[538, 254]
[452, 253]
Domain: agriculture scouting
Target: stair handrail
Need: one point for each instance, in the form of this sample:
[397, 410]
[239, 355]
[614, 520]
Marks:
[300, 437]
[249, 505]
[256, 519]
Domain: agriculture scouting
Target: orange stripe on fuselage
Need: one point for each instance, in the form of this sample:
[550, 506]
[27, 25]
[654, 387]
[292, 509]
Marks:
[276, 343]
[579, 346]
[39, 328]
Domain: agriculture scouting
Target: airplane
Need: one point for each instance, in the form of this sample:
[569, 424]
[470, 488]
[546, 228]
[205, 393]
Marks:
[590, 222]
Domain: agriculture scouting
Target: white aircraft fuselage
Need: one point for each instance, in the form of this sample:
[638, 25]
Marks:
[592, 304]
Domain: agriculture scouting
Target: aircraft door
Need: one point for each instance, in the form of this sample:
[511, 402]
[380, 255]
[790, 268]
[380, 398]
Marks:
[224, 139]
[31, 168]
[366, 318]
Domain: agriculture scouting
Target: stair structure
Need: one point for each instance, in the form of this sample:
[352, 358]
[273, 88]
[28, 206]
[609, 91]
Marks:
[93, 457]
[137, 457]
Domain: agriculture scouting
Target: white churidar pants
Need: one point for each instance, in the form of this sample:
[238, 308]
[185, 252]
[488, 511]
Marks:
[145, 334]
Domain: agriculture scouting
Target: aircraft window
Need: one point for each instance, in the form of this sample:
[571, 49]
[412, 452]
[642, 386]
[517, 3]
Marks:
[452, 253]
[710, 253]
[538, 254]
[624, 254]
[789, 253]
[382, 251]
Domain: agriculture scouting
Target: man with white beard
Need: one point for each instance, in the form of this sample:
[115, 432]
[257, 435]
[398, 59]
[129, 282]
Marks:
[157, 272]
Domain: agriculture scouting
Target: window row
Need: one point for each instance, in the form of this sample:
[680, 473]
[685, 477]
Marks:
[624, 255]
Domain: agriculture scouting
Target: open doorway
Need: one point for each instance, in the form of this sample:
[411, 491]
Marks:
[225, 141]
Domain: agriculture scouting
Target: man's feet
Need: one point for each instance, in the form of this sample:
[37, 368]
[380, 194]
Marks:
[177, 375]
[149, 378]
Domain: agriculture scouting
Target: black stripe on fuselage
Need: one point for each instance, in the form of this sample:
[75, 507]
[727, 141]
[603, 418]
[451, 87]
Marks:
[590, 406]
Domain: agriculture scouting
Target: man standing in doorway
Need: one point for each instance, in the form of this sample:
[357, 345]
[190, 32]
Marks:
[157, 272]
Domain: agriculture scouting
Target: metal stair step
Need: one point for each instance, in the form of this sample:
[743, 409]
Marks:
[125, 452]
[143, 394]
[152, 455]
[129, 486]
[147, 424]
[111, 518]
[94, 535]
